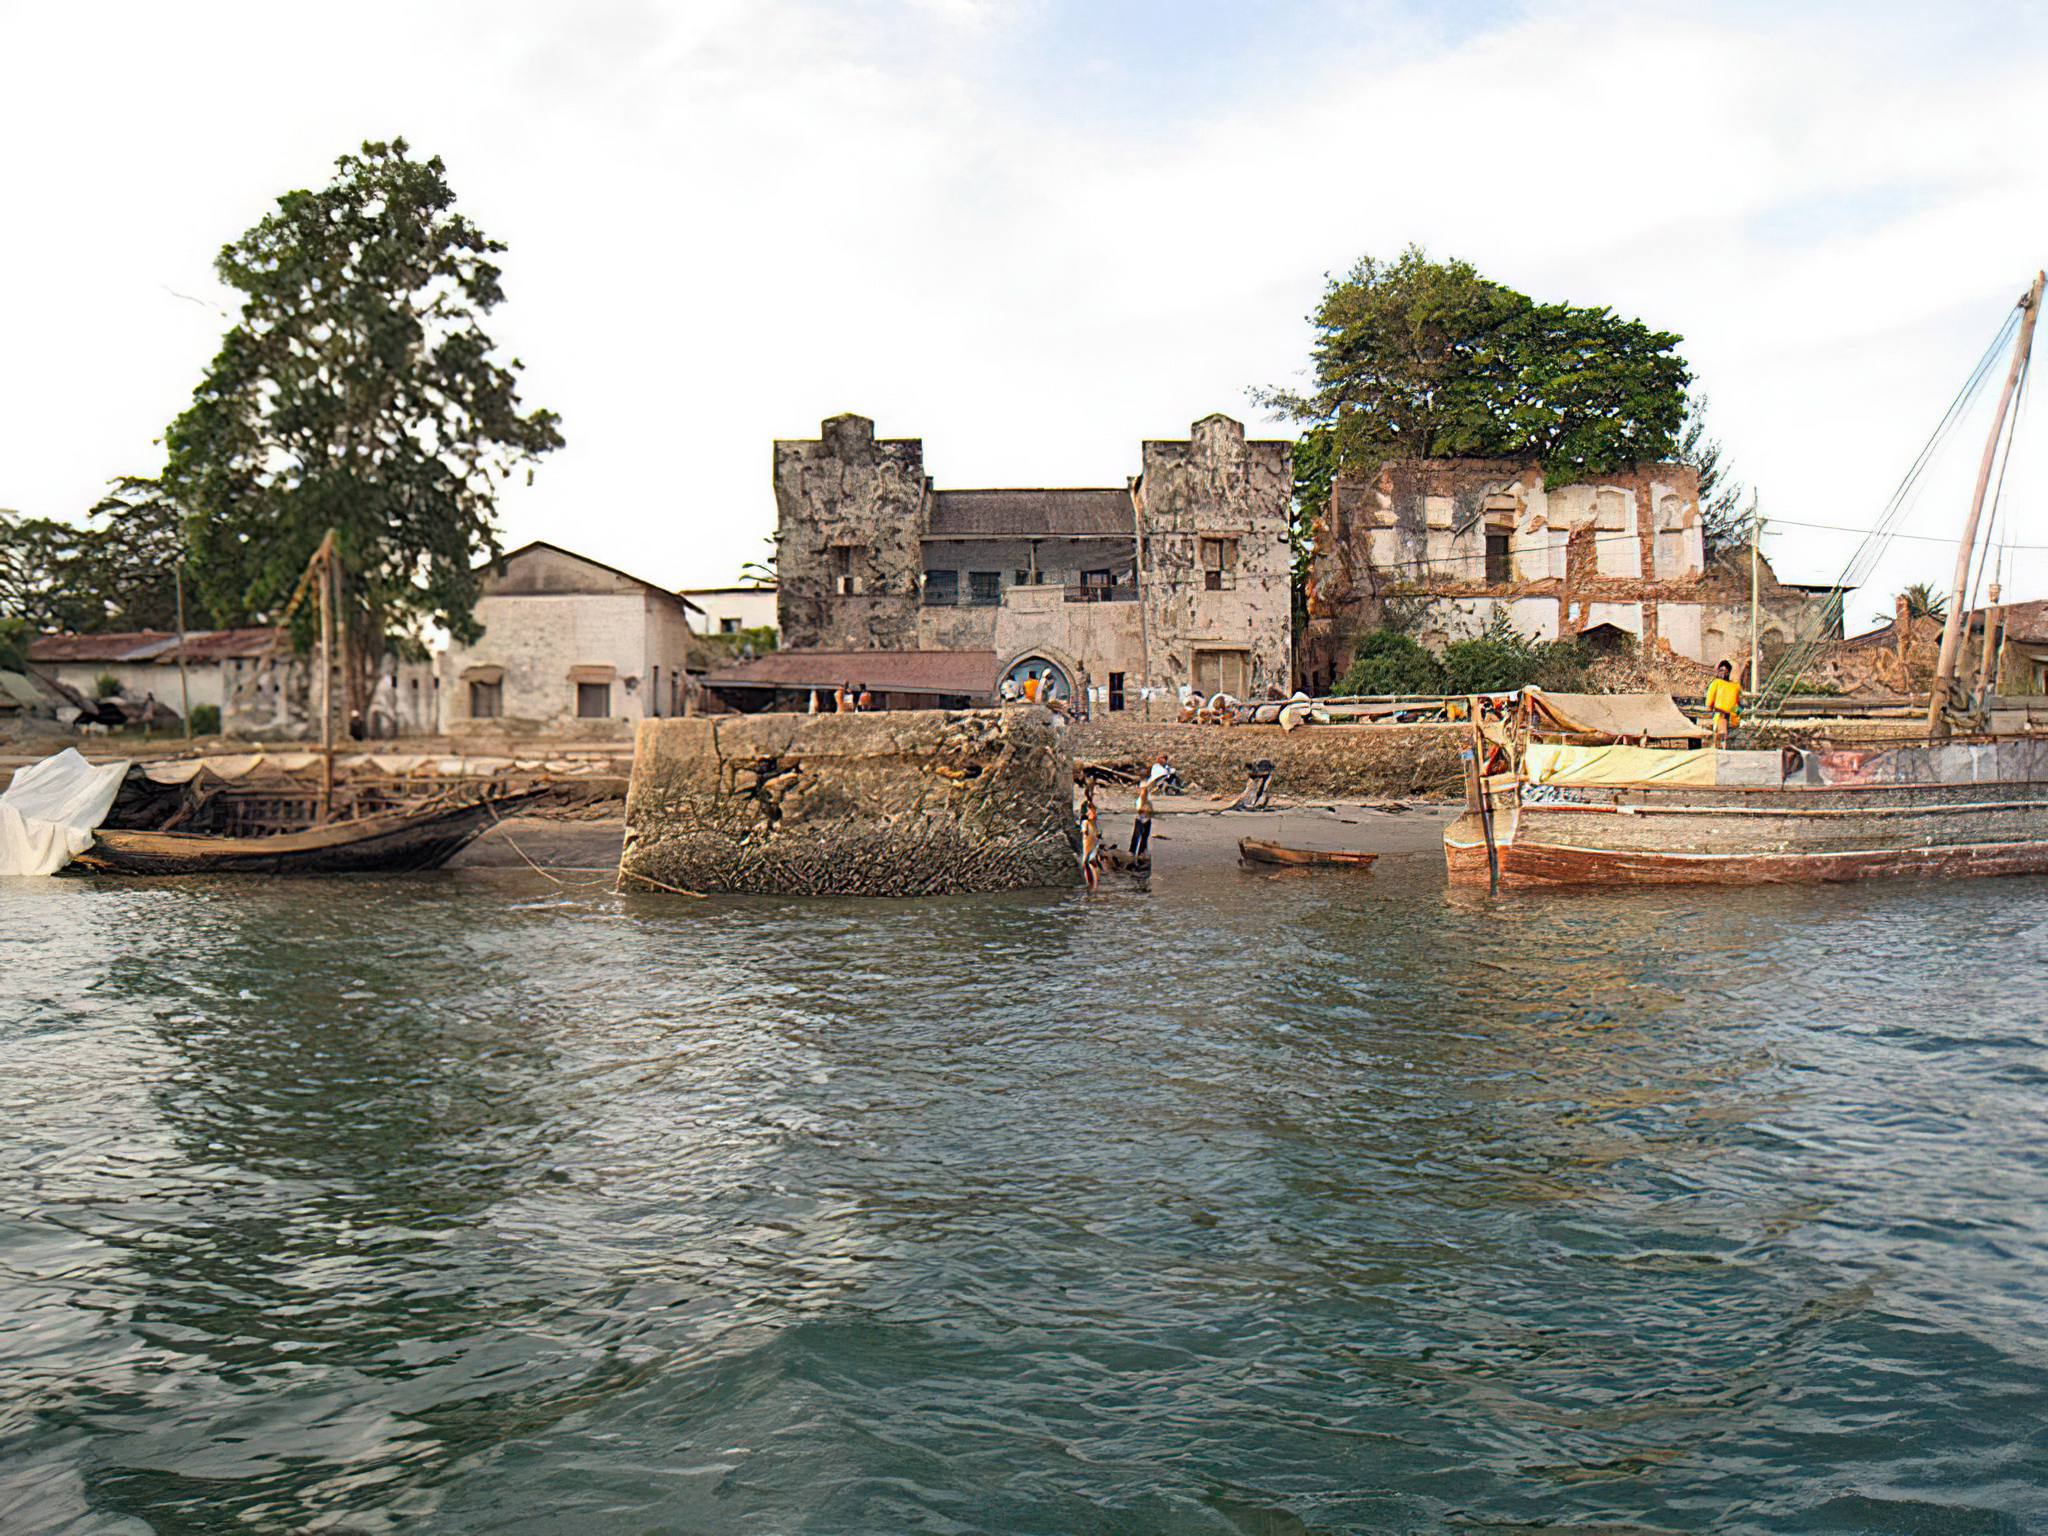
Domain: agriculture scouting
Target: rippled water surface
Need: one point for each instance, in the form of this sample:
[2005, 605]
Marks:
[1256, 1205]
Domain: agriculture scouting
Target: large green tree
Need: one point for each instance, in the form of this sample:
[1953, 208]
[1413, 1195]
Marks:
[116, 571]
[1425, 359]
[358, 390]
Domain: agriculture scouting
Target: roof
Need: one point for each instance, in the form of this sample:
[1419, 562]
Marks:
[969, 672]
[1083, 514]
[1615, 715]
[532, 544]
[137, 646]
[766, 589]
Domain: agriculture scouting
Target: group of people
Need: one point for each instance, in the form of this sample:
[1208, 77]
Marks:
[847, 699]
[1039, 688]
[1156, 777]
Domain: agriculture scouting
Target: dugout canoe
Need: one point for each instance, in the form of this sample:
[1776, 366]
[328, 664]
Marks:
[1254, 851]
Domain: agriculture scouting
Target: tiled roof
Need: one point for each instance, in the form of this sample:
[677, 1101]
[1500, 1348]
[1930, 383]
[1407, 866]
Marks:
[1087, 514]
[966, 672]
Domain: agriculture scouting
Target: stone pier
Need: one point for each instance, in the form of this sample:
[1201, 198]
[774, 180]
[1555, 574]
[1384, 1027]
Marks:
[910, 803]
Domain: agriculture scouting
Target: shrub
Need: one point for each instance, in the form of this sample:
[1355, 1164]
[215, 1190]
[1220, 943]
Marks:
[14, 634]
[105, 686]
[205, 719]
[1387, 662]
[1500, 660]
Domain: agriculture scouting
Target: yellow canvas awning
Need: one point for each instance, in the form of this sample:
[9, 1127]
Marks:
[1618, 716]
[1550, 763]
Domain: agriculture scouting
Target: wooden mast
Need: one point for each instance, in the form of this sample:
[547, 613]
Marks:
[322, 571]
[1952, 629]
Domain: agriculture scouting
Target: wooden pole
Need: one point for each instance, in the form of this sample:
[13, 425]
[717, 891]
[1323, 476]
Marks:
[1756, 536]
[1952, 629]
[184, 682]
[324, 592]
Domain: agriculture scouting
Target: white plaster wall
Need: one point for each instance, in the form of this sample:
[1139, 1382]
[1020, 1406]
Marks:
[1628, 616]
[140, 678]
[1682, 627]
[754, 610]
[668, 647]
[538, 637]
[1535, 616]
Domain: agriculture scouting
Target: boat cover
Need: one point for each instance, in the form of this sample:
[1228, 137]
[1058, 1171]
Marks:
[1615, 715]
[49, 812]
[1550, 763]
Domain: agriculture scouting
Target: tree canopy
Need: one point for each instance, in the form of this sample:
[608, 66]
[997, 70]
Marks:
[117, 571]
[358, 391]
[1416, 358]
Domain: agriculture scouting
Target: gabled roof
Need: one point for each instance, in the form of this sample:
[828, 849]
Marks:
[1085, 513]
[136, 646]
[569, 554]
[962, 672]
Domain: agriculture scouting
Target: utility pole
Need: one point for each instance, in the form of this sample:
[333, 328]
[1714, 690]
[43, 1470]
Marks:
[1756, 538]
[184, 682]
[1952, 630]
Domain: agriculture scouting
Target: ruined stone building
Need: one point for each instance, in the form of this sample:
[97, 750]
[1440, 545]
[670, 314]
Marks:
[569, 645]
[1179, 577]
[1437, 545]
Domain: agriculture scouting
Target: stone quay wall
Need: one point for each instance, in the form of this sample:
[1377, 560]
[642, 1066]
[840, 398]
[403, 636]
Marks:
[906, 803]
[1347, 762]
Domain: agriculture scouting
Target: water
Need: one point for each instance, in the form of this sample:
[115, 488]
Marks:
[1258, 1205]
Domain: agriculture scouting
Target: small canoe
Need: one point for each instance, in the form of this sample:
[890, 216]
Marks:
[1253, 851]
[389, 842]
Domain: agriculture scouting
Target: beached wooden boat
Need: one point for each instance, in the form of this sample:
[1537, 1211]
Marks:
[1254, 851]
[387, 842]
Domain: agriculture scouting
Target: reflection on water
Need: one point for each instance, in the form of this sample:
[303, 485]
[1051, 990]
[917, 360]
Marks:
[1260, 1204]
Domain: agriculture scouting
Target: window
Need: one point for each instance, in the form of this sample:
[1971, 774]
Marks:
[1221, 672]
[942, 587]
[654, 693]
[1098, 578]
[1498, 567]
[844, 581]
[1219, 563]
[593, 701]
[1116, 690]
[1020, 578]
[486, 701]
[728, 626]
[984, 587]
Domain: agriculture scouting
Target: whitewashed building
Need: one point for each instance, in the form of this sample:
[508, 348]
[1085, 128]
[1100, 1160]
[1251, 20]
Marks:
[730, 610]
[568, 643]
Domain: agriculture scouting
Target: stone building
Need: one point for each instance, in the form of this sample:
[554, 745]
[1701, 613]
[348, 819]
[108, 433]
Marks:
[1437, 545]
[1177, 578]
[568, 644]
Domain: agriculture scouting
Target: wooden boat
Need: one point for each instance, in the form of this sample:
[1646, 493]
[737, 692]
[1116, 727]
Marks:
[404, 838]
[385, 842]
[1253, 851]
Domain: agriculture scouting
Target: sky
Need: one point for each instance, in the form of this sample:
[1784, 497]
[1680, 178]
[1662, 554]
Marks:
[1036, 232]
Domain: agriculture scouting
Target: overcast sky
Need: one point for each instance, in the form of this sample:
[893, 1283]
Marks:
[1035, 233]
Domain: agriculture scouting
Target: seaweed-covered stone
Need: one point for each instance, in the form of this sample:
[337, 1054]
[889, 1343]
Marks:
[910, 803]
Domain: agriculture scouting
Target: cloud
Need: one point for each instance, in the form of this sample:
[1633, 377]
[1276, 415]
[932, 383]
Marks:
[1034, 234]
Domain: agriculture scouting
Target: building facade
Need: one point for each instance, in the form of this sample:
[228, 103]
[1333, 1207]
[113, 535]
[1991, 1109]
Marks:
[1436, 546]
[1178, 578]
[730, 610]
[568, 645]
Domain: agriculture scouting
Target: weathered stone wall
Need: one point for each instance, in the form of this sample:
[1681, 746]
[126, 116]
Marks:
[844, 490]
[1333, 761]
[1215, 484]
[902, 804]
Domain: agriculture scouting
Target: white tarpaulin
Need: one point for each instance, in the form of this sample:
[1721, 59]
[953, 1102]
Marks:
[49, 812]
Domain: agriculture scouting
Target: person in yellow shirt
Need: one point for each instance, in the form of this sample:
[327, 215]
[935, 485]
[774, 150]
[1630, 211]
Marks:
[1724, 701]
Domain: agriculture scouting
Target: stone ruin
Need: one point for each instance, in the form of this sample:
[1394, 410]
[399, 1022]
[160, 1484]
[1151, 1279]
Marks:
[905, 803]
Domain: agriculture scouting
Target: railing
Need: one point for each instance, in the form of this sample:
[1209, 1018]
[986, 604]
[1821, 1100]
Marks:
[1090, 593]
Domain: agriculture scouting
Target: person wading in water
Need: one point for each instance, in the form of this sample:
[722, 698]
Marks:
[1141, 821]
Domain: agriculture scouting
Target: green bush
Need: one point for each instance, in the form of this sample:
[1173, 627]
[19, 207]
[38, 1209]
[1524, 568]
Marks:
[205, 719]
[105, 686]
[14, 637]
[1385, 661]
[1500, 660]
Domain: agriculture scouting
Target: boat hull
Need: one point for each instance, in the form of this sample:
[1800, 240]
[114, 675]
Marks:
[1255, 851]
[394, 842]
[1648, 836]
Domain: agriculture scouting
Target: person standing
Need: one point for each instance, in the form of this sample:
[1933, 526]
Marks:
[864, 702]
[1724, 701]
[1091, 841]
[1141, 820]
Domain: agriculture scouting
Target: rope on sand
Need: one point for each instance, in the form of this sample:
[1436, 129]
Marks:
[498, 822]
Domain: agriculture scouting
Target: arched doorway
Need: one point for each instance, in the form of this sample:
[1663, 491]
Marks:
[1049, 673]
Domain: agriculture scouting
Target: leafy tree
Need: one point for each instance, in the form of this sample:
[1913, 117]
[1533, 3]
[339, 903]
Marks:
[39, 573]
[358, 391]
[1924, 602]
[1417, 358]
[1315, 471]
[14, 637]
[116, 572]
[1724, 521]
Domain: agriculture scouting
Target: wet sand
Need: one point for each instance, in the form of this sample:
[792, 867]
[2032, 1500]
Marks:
[1187, 831]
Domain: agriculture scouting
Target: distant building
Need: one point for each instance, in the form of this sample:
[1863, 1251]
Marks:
[1437, 545]
[730, 610]
[1179, 577]
[788, 680]
[567, 639]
